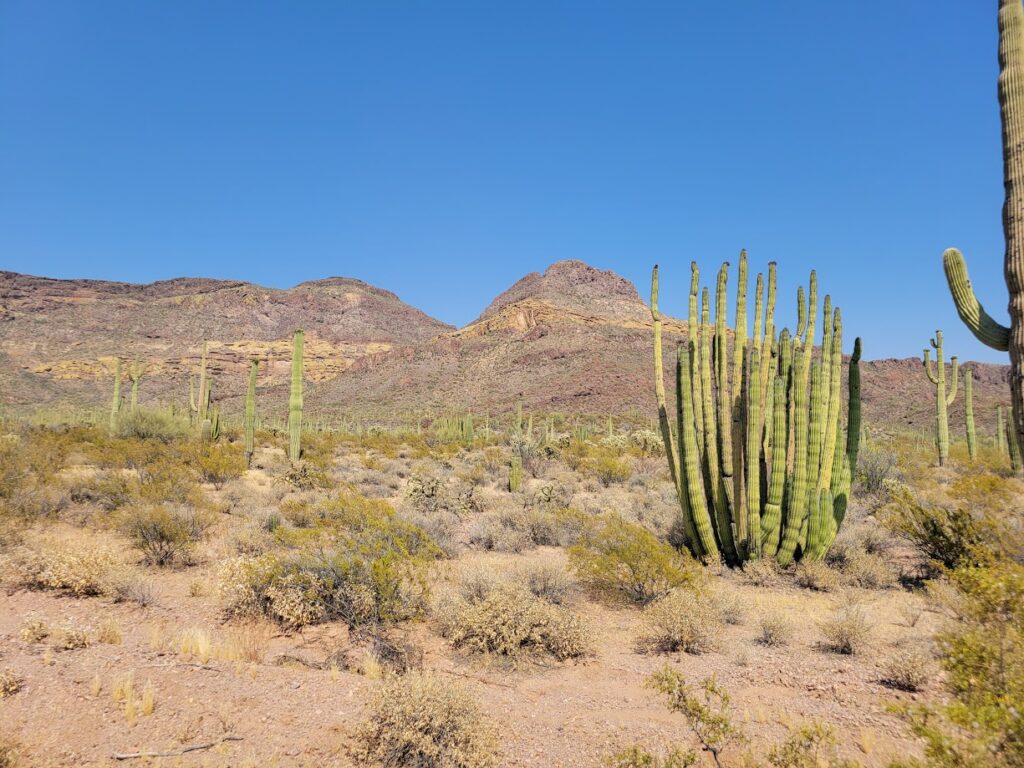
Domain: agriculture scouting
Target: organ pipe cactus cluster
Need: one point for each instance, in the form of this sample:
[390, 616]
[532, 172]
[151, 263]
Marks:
[943, 399]
[249, 417]
[982, 325]
[756, 448]
[295, 400]
[972, 440]
[115, 407]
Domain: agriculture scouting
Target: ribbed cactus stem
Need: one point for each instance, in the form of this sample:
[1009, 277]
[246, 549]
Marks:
[796, 504]
[690, 458]
[723, 412]
[712, 468]
[937, 376]
[515, 474]
[1000, 430]
[204, 394]
[1014, 446]
[115, 406]
[659, 389]
[834, 379]
[772, 518]
[135, 371]
[295, 399]
[753, 452]
[693, 330]
[972, 440]
[249, 419]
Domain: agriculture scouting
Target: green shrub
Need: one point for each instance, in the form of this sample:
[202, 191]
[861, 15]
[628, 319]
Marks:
[948, 537]
[624, 560]
[609, 468]
[684, 620]
[219, 463]
[163, 534]
[152, 424]
[423, 721]
[636, 757]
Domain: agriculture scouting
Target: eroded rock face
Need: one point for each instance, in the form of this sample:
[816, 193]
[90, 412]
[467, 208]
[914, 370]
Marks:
[574, 338]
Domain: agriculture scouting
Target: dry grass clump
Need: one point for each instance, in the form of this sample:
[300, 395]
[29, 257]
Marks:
[34, 630]
[546, 580]
[637, 757]
[684, 620]
[165, 535]
[816, 576]
[132, 589]
[512, 623]
[423, 721]
[847, 631]
[763, 572]
[620, 559]
[80, 571]
[71, 637]
[10, 683]
[909, 669]
[109, 633]
[868, 571]
[10, 753]
[774, 630]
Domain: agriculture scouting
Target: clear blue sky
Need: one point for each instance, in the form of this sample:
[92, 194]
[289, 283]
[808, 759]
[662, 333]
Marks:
[444, 149]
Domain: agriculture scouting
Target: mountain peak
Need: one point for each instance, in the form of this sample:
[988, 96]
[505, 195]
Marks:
[575, 286]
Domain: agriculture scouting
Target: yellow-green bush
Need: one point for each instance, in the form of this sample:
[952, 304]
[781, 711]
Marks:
[621, 559]
[219, 463]
[81, 571]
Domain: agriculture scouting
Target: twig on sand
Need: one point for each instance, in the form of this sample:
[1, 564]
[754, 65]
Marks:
[177, 752]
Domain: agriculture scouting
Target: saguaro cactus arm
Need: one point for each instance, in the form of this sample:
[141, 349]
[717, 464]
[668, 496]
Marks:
[933, 376]
[973, 314]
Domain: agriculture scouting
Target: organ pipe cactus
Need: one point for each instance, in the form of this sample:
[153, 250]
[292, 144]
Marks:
[757, 449]
[249, 417]
[943, 399]
[295, 400]
[115, 407]
[982, 325]
[972, 440]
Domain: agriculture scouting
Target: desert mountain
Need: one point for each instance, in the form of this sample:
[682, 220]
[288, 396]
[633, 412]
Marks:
[573, 339]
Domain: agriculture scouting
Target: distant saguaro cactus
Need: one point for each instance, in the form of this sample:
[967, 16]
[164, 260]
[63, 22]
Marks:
[295, 399]
[115, 407]
[199, 405]
[249, 418]
[972, 440]
[515, 474]
[981, 324]
[135, 371]
[943, 399]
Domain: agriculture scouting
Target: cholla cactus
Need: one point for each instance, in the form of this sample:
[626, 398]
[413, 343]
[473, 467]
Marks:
[943, 399]
[759, 459]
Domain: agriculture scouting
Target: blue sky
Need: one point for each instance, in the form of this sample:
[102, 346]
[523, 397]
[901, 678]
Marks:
[443, 149]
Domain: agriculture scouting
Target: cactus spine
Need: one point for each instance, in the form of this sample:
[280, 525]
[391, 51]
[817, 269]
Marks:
[943, 399]
[115, 407]
[972, 440]
[974, 316]
[761, 468]
[295, 400]
[250, 413]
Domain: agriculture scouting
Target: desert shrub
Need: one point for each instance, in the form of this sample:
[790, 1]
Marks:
[511, 623]
[219, 463]
[815, 575]
[620, 559]
[79, 571]
[909, 669]
[983, 657]
[507, 530]
[774, 630]
[423, 721]
[948, 537]
[847, 631]
[34, 630]
[129, 588]
[108, 490]
[306, 476]
[164, 534]
[373, 571]
[609, 468]
[477, 583]
[70, 637]
[637, 757]
[731, 605]
[10, 683]
[151, 424]
[546, 580]
[763, 572]
[706, 709]
[868, 571]
[811, 746]
[684, 620]
[876, 467]
[167, 479]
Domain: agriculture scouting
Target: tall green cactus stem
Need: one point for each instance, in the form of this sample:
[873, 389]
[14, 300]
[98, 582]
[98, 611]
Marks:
[943, 399]
[199, 404]
[249, 418]
[659, 389]
[135, 371]
[115, 406]
[295, 400]
[739, 360]
[1014, 446]
[1000, 431]
[972, 440]
[515, 474]
[693, 331]
[785, 442]
[983, 326]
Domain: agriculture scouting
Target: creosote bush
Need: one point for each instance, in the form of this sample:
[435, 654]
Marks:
[423, 721]
[510, 622]
[164, 534]
[151, 424]
[624, 560]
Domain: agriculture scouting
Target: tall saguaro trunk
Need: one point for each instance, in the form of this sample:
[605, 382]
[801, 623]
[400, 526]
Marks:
[295, 400]
[1011, 103]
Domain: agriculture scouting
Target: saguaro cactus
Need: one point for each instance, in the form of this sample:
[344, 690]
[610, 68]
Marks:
[249, 418]
[1000, 431]
[295, 400]
[972, 440]
[983, 326]
[761, 467]
[515, 474]
[199, 406]
[135, 371]
[115, 407]
[943, 399]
